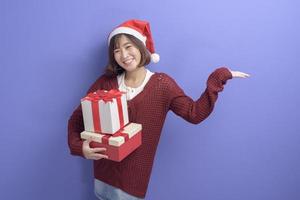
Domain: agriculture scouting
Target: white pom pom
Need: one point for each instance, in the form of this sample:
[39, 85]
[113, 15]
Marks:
[155, 57]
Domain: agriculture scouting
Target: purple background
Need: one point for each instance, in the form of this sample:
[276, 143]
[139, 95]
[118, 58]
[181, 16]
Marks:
[52, 51]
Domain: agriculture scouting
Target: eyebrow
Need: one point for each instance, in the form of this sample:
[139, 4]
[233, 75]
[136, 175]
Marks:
[117, 47]
[126, 43]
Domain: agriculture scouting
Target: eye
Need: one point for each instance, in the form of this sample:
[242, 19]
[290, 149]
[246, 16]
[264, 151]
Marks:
[117, 51]
[128, 46]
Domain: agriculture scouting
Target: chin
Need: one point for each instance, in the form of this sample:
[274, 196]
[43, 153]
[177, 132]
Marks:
[130, 69]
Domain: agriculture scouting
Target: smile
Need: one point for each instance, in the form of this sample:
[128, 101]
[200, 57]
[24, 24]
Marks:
[128, 61]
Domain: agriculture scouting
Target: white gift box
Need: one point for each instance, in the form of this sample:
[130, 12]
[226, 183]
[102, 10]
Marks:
[104, 111]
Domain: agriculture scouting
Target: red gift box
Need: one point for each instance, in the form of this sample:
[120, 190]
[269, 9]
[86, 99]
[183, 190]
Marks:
[119, 145]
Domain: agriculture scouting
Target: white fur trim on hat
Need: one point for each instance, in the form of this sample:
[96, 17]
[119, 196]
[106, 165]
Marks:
[155, 58]
[129, 31]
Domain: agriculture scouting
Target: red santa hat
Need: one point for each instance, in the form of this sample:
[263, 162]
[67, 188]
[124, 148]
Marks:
[140, 30]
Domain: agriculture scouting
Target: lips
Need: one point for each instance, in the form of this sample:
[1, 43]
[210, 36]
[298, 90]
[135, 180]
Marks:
[128, 61]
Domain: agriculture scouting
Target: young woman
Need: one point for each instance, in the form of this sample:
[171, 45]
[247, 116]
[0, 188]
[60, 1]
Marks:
[149, 96]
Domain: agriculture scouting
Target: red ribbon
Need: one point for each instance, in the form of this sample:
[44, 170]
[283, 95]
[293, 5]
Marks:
[106, 137]
[94, 98]
[120, 111]
[106, 96]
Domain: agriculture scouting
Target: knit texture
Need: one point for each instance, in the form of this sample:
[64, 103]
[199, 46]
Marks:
[148, 108]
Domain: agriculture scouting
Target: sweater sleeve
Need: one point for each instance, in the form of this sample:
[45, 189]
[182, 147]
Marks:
[197, 111]
[75, 123]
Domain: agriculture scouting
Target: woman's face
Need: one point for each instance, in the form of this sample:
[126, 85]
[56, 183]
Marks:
[126, 54]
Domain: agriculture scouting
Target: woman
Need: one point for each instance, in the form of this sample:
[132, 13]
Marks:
[149, 96]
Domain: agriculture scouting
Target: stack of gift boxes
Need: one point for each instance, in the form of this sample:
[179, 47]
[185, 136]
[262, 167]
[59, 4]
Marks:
[106, 124]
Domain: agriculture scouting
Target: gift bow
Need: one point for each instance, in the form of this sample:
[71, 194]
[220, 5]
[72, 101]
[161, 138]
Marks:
[106, 96]
[105, 138]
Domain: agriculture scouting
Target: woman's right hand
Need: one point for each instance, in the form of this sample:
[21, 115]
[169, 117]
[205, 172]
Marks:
[92, 153]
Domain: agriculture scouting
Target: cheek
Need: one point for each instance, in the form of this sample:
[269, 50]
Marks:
[117, 57]
[137, 53]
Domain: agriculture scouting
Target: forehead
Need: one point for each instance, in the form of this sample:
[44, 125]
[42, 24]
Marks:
[121, 41]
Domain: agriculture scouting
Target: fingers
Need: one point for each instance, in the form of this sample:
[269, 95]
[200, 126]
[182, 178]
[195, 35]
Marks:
[86, 143]
[95, 150]
[93, 153]
[244, 75]
[97, 156]
[238, 74]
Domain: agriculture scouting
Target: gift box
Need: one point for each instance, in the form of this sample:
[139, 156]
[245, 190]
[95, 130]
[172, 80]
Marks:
[118, 145]
[104, 111]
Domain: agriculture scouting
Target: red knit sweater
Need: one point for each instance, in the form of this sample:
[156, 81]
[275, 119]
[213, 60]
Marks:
[148, 108]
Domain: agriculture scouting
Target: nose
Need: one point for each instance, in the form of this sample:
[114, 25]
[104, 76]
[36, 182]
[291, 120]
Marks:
[124, 53]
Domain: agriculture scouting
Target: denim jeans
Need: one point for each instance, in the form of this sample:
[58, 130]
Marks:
[107, 192]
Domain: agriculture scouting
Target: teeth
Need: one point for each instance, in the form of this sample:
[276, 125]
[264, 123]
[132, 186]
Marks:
[128, 61]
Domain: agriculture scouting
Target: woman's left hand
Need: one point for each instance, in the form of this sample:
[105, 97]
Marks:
[237, 74]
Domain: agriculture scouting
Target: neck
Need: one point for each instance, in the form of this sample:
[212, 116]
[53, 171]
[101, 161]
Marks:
[136, 77]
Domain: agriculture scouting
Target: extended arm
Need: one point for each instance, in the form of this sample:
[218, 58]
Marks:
[197, 111]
